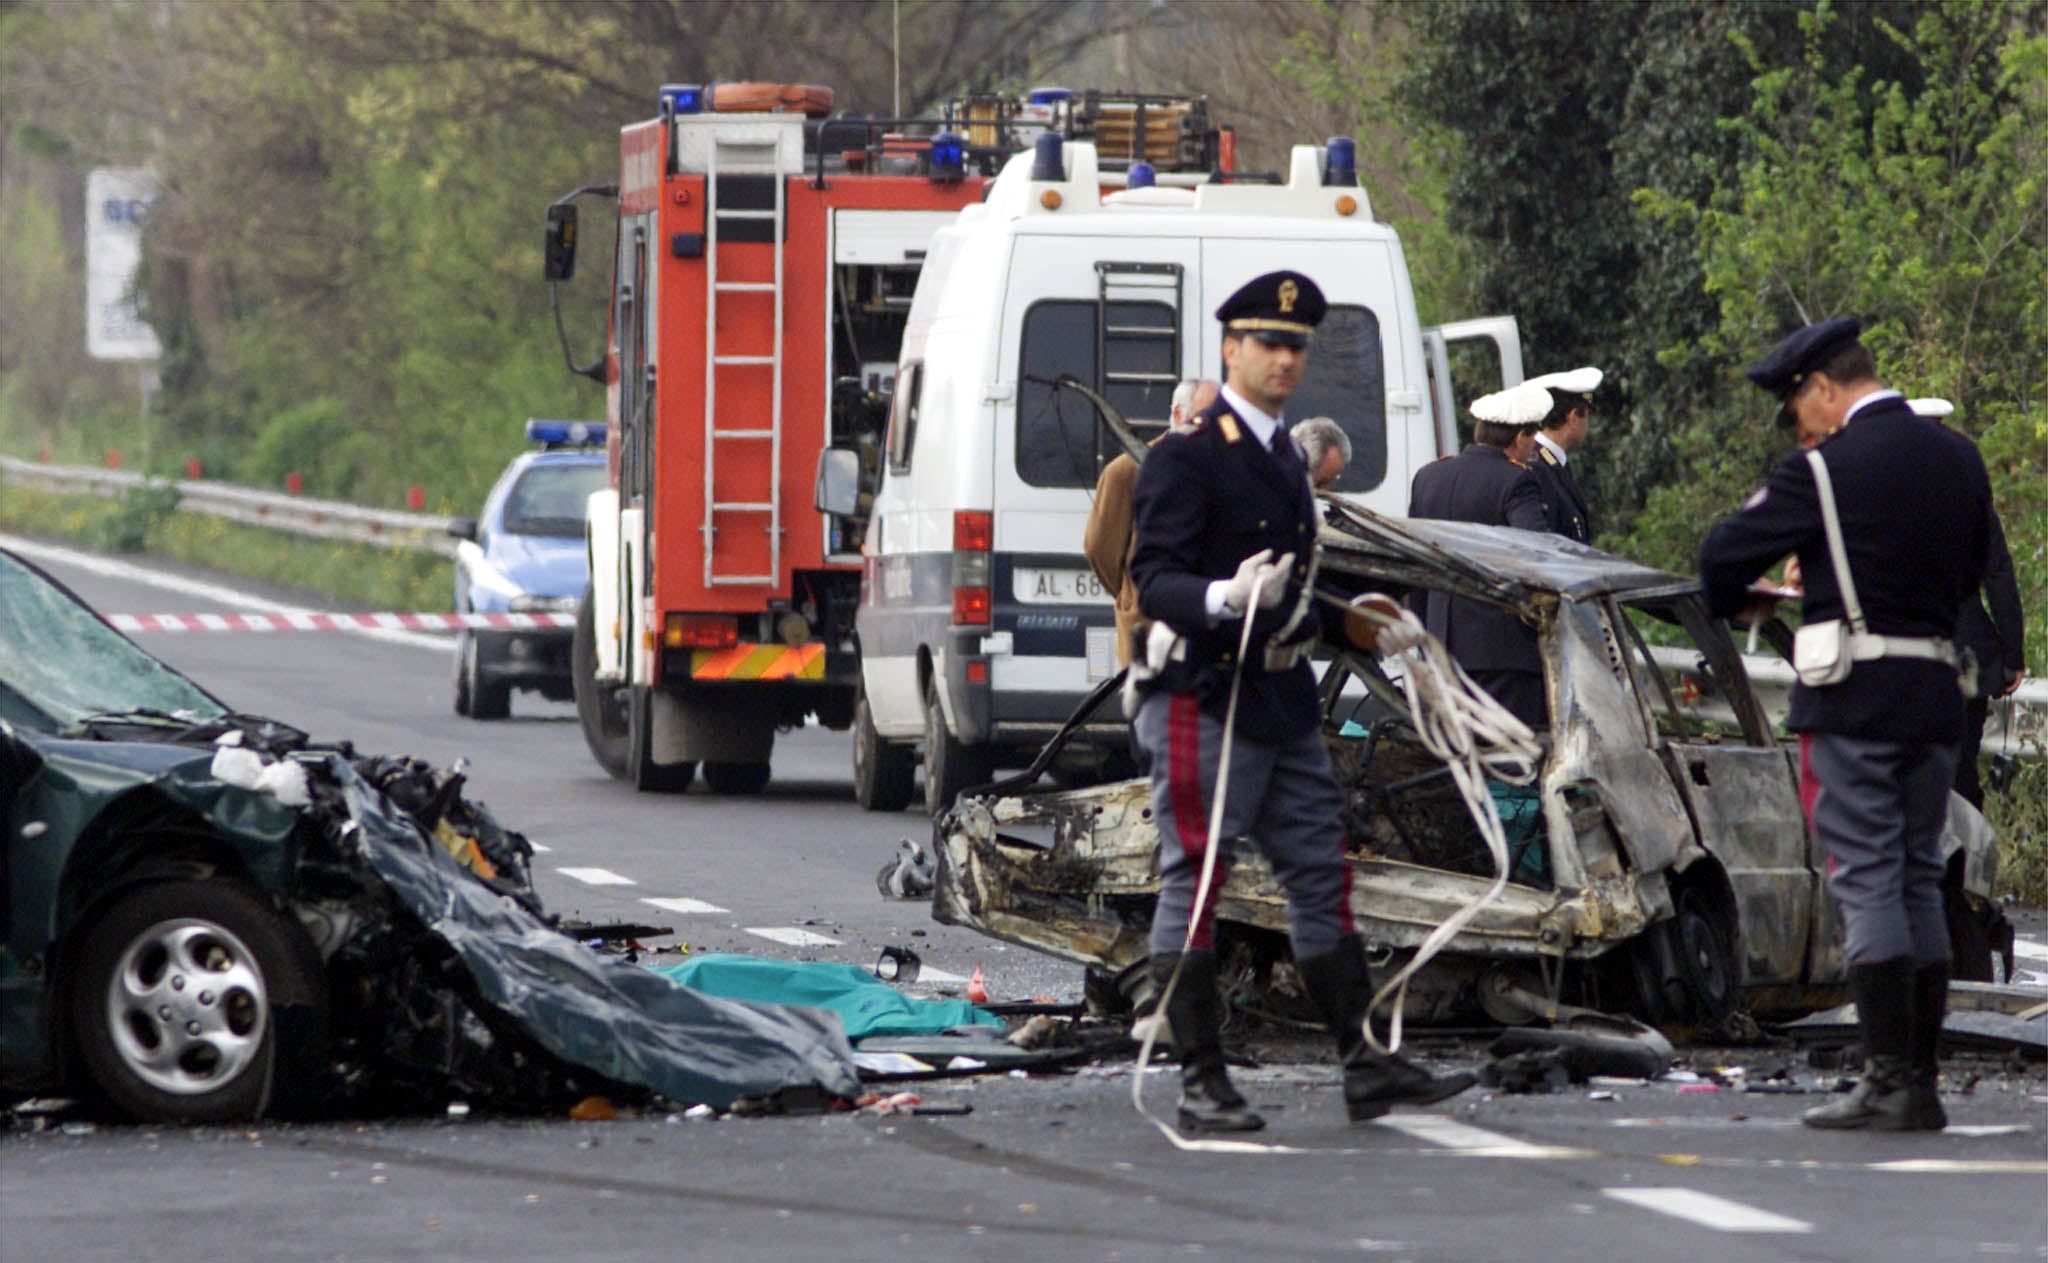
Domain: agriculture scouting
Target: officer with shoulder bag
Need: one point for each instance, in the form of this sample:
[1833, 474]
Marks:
[1887, 515]
[1226, 527]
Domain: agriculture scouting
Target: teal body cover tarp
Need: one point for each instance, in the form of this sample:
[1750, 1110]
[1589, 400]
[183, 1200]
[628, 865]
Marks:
[866, 1004]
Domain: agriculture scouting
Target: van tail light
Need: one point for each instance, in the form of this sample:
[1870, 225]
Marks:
[973, 536]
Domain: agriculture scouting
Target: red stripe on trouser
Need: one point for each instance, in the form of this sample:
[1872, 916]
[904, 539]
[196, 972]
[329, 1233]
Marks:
[1809, 790]
[1190, 823]
[1345, 925]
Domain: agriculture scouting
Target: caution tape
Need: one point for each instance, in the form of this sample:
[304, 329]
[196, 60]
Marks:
[759, 662]
[325, 621]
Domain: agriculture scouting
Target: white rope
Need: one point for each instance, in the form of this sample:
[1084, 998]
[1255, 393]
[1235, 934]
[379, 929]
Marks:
[1458, 722]
[1477, 739]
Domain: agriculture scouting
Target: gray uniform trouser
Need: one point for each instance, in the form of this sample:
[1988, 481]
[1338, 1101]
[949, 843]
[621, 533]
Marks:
[1879, 818]
[1282, 795]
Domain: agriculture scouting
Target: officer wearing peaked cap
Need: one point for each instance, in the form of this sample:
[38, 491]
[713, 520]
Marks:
[1878, 741]
[1487, 483]
[1562, 433]
[1225, 528]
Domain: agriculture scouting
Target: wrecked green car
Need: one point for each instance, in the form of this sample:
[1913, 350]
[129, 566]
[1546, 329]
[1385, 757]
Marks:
[211, 916]
[1660, 863]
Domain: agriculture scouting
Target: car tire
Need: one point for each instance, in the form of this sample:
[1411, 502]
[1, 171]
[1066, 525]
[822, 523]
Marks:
[244, 987]
[477, 695]
[950, 765]
[599, 708]
[884, 772]
[738, 779]
[1703, 937]
[644, 773]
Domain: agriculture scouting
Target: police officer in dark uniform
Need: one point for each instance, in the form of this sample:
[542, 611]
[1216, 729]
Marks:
[1490, 484]
[1561, 433]
[1913, 502]
[1225, 528]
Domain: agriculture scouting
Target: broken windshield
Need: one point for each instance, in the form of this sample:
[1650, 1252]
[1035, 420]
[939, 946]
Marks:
[59, 663]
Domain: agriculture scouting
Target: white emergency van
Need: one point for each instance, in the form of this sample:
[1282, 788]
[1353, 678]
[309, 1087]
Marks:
[981, 625]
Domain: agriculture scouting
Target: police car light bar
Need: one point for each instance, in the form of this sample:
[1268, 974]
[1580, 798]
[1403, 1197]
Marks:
[565, 433]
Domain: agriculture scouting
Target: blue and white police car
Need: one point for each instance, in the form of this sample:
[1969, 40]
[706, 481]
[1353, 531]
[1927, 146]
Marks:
[524, 554]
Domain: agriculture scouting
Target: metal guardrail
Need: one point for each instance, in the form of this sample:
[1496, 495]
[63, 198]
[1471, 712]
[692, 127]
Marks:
[1770, 678]
[298, 515]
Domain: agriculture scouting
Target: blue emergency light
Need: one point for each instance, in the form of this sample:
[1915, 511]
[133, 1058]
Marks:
[1340, 161]
[565, 433]
[1048, 160]
[1048, 96]
[1140, 176]
[683, 98]
[949, 157]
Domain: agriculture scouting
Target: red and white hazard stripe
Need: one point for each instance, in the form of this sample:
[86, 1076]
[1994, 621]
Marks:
[310, 621]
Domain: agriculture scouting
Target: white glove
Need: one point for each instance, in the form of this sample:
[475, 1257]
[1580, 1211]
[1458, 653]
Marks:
[1260, 573]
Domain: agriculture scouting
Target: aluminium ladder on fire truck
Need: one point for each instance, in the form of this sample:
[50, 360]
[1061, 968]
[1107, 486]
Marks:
[737, 155]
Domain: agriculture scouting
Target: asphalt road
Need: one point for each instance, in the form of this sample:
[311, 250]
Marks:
[1048, 1167]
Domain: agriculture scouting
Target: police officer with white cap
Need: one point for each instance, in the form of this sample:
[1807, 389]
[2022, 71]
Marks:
[1563, 432]
[1879, 707]
[1490, 483]
[1225, 527]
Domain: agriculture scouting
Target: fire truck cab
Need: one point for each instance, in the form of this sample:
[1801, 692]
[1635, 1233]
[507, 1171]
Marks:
[762, 276]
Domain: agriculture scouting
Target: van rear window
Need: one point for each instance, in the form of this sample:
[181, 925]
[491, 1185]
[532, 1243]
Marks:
[1059, 442]
[1347, 382]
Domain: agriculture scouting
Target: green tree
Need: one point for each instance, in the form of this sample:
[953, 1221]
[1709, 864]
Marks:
[1923, 211]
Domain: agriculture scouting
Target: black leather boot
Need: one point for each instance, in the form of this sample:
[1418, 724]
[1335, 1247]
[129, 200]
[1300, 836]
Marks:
[1208, 1102]
[1930, 1009]
[1340, 986]
[1883, 1099]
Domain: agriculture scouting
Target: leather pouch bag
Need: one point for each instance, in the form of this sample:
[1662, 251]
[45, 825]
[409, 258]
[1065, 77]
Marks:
[1820, 653]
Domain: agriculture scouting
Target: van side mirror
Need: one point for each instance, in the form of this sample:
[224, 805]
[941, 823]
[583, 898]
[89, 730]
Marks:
[561, 242]
[838, 487]
[462, 528]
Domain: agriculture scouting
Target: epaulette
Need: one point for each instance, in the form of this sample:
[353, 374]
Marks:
[1549, 457]
[1227, 424]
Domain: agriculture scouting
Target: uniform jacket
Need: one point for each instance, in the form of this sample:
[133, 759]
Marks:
[1997, 639]
[1107, 543]
[1915, 505]
[1206, 500]
[1563, 506]
[1480, 484]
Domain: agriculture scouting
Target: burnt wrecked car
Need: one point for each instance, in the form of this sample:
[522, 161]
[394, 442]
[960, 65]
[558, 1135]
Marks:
[211, 916]
[1659, 863]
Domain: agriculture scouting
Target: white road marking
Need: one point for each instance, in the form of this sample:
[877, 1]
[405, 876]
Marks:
[107, 567]
[597, 876]
[1962, 1166]
[1986, 1129]
[539, 849]
[791, 936]
[685, 907]
[1465, 1138]
[1707, 1210]
[2029, 949]
[929, 974]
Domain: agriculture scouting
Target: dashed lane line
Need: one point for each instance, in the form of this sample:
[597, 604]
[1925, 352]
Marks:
[683, 907]
[2029, 949]
[538, 849]
[791, 936]
[1707, 1210]
[597, 876]
[1475, 1141]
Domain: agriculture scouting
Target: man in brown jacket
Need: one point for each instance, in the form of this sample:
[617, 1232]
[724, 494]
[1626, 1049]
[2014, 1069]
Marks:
[1107, 540]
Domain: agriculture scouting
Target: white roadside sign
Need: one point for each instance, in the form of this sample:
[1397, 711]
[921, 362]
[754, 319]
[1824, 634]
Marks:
[117, 202]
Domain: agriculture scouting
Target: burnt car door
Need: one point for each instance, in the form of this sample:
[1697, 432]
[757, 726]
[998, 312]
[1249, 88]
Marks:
[1739, 783]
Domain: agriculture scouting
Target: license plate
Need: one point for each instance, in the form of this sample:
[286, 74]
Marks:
[1036, 585]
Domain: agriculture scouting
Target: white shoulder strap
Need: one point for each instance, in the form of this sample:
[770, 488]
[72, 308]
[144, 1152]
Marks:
[1836, 552]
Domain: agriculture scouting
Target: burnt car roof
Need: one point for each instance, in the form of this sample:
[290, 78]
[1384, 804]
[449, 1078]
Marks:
[1496, 562]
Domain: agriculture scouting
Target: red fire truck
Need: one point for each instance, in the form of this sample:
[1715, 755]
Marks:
[765, 260]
